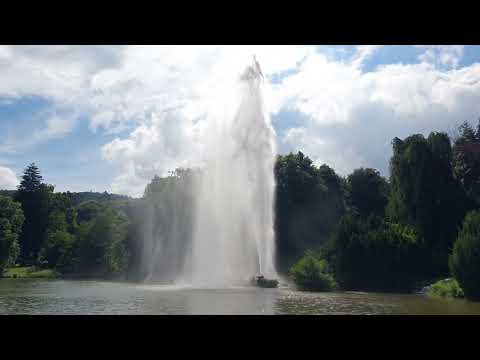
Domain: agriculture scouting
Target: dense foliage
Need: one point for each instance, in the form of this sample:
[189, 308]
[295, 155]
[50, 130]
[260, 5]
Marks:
[367, 192]
[102, 249]
[309, 203]
[89, 238]
[80, 197]
[466, 160]
[33, 195]
[465, 258]
[399, 233]
[11, 221]
[372, 254]
[312, 274]
[446, 288]
[426, 196]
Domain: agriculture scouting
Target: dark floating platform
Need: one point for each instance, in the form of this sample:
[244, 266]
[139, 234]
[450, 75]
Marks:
[262, 282]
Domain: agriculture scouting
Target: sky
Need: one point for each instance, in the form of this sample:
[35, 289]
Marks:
[108, 118]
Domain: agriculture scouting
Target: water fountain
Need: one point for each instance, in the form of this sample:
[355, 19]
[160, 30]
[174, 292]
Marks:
[232, 236]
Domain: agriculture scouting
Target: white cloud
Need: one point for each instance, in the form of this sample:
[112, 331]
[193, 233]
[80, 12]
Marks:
[353, 115]
[8, 179]
[324, 150]
[363, 53]
[163, 98]
[444, 56]
[169, 140]
[55, 127]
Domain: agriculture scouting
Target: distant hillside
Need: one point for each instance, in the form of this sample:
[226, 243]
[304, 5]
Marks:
[7, 192]
[79, 197]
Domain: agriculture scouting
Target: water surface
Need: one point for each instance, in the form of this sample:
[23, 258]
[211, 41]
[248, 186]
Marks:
[36, 296]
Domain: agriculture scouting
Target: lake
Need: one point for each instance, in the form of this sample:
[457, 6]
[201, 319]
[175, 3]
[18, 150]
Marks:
[36, 296]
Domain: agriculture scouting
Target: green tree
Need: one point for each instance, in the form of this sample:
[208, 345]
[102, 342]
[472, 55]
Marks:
[58, 251]
[465, 258]
[466, 160]
[31, 179]
[167, 223]
[371, 254]
[57, 221]
[34, 197]
[367, 192]
[425, 195]
[309, 203]
[11, 221]
[60, 202]
[312, 274]
[102, 244]
[59, 246]
[88, 210]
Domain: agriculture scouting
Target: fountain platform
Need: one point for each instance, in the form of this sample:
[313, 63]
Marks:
[263, 282]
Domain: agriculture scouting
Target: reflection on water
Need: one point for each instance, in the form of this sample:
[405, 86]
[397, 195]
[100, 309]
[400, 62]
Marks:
[26, 296]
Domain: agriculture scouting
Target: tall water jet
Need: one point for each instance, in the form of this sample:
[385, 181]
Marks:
[233, 236]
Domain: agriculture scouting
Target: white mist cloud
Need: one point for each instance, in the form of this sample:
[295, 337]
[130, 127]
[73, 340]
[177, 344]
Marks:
[8, 179]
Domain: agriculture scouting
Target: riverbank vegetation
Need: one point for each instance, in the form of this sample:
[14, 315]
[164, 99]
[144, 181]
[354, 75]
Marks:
[446, 288]
[30, 272]
[312, 273]
[465, 258]
[358, 232]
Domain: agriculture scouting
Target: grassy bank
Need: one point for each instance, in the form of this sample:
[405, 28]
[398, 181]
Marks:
[30, 272]
[446, 288]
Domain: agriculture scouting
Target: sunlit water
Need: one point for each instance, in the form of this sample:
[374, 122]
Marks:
[26, 296]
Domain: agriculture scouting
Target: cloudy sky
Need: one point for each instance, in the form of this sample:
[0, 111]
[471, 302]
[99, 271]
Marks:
[110, 117]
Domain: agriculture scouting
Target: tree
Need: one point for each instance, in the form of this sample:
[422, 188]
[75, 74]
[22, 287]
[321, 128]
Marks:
[465, 258]
[371, 254]
[58, 251]
[312, 274]
[31, 179]
[88, 210]
[60, 203]
[425, 195]
[309, 203]
[102, 248]
[466, 160]
[34, 197]
[367, 192]
[59, 245]
[168, 223]
[11, 221]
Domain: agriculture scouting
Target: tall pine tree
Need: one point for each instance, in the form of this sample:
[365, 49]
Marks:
[33, 195]
[31, 179]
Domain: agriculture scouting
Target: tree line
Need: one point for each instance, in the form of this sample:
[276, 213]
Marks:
[358, 232]
[396, 234]
[45, 229]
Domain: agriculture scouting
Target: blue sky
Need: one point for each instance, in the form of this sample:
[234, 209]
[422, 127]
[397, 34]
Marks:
[93, 118]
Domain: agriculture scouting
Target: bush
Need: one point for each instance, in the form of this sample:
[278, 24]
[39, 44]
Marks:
[446, 288]
[311, 274]
[374, 255]
[465, 258]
